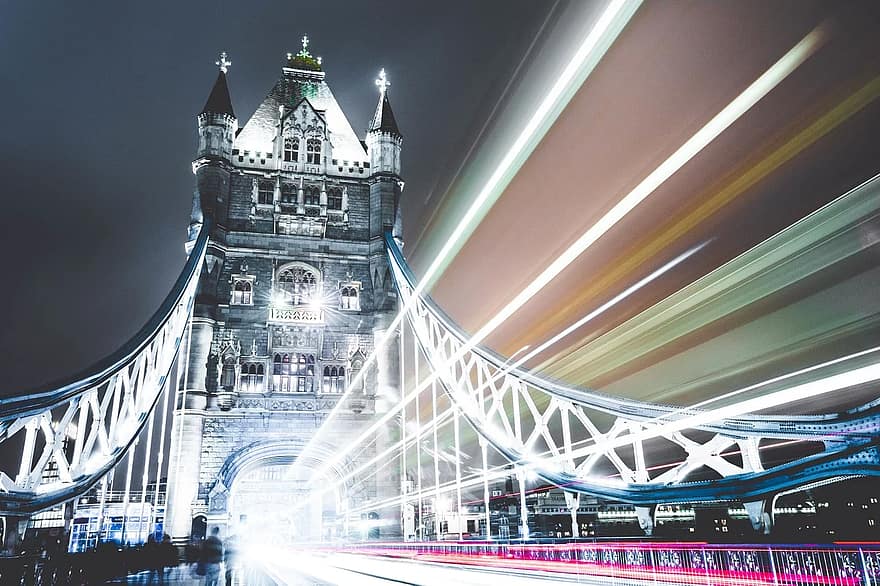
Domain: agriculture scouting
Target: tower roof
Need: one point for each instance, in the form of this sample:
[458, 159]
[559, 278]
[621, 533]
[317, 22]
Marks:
[383, 119]
[295, 85]
[219, 101]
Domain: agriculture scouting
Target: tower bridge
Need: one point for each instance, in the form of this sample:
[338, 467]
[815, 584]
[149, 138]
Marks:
[300, 389]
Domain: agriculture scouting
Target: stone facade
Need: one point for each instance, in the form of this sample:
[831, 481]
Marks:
[294, 295]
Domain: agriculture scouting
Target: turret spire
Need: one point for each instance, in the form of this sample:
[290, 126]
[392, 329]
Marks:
[219, 101]
[383, 119]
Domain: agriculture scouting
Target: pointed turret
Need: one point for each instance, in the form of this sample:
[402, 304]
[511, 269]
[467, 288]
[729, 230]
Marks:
[219, 101]
[383, 119]
[383, 145]
[383, 136]
[217, 127]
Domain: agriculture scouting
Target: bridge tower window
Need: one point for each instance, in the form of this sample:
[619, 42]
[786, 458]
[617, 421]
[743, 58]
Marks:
[334, 199]
[252, 378]
[293, 373]
[349, 298]
[288, 193]
[297, 286]
[312, 196]
[265, 192]
[313, 151]
[291, 149]
[242, 292]
[334, 379]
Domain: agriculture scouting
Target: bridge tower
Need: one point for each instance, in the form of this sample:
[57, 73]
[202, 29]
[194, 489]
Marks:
[294, 295]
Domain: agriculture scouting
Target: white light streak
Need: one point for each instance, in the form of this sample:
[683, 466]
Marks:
[615, 16]
[727, 116]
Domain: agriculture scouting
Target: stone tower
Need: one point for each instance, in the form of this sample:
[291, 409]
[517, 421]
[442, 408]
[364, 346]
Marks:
[293, 297]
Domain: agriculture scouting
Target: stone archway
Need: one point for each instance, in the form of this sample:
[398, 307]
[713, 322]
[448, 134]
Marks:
[260, 488]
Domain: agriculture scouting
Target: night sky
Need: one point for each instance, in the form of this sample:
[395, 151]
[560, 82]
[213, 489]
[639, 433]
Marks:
[100, 99]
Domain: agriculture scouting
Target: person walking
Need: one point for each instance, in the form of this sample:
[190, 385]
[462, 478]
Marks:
[211, 556]
[169, 556]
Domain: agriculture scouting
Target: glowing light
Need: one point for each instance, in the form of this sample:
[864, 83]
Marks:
[601, 36]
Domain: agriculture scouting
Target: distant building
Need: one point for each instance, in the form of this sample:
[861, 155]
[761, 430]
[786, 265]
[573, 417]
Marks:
[293, 298]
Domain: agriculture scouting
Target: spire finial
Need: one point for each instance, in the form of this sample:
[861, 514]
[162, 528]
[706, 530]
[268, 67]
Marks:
[223, 63]
[305, 42]
[382, 82]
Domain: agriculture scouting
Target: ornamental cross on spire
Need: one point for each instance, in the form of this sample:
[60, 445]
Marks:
[223, 63]
[305, 42]
[383, 82]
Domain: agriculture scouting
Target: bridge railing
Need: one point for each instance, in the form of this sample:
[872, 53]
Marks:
[673, 563]
[67, 436]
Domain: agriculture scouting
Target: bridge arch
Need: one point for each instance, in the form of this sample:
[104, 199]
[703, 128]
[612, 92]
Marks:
[230, 497]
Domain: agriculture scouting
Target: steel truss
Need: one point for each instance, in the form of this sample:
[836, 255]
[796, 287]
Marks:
[619, 449]
[85, 427]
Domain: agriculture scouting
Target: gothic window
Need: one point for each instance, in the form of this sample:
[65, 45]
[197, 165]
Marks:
[334, 379]
[291, 149]
[265, 192]
[252, 378]
[313, 151]
[293, 373]
[288, 193]
[348, 298]
[227, 375]
[312, 195]
[297, 286]
[334, 199]
[242, 292]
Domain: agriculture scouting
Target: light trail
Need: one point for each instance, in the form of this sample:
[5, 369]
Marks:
[503, 471]
[793, 394]
[508, 366]
[639, 253]
[721, 121]
[609, 25]
[797, 392]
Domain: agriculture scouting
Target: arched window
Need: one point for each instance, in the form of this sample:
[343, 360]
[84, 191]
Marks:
[293, 373]
[252, 377]
[313, 195]
[334, 199]
[348, 299]
[334, 379]
[291, 149]
[242, 292]
[265, 192]
[297, 286]
[227, 376]
[313, 151]
[288, 193]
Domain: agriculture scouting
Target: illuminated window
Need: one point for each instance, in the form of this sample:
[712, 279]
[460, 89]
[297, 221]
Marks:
[293, 373]
[313, 151]
[252, 378]
[291, 149]
[297, 286]
[348, 298]
[265, 192]
[242, 292]
[334, 379]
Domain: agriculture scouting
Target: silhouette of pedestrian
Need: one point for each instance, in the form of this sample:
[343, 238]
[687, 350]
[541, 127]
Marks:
[211, 556]
[168, 554]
